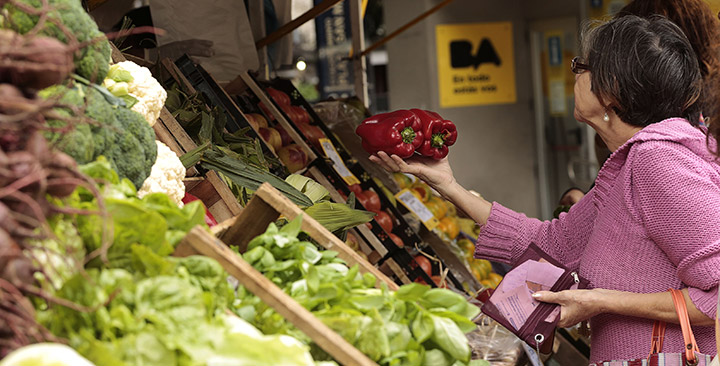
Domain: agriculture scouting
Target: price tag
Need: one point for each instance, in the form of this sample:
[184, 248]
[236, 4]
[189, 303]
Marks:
[338, 163]
[412, 203]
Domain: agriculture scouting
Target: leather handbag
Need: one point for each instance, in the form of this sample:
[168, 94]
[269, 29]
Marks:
[538, 330]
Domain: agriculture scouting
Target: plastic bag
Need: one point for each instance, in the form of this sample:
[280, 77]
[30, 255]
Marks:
[493, 343]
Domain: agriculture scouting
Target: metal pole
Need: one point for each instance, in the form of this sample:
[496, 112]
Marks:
[358, 43]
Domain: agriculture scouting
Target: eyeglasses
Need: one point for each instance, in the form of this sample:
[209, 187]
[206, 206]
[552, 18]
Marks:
[578, 67]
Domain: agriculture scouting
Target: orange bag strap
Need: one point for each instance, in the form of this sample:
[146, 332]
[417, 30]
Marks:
[658, 334]
[688, 337]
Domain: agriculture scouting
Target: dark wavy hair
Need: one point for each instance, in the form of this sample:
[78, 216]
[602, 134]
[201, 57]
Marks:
[644, 69]
[702, 28]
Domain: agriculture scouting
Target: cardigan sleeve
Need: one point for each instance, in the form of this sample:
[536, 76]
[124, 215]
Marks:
[507, 233]
[677, 195]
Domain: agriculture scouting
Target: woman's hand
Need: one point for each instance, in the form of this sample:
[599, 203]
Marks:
[436, 173]
[575, 305]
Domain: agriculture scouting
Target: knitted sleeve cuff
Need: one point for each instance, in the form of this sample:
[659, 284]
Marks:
[500, 238]
[705, 301]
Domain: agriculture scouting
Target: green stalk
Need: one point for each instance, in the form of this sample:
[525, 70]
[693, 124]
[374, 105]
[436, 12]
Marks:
[192, 157]
[408, 135]
[250, 177]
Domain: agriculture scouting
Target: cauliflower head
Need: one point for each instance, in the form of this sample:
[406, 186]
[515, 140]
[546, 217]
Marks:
[166, 176]
[129, 78]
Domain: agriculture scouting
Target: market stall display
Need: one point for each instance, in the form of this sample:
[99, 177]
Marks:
[290, 110]
[108, 256]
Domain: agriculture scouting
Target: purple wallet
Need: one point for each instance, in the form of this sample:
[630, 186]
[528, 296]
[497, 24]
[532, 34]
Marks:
[539, 328]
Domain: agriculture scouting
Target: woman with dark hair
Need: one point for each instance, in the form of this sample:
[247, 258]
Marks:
[641, 229]
[702, 28]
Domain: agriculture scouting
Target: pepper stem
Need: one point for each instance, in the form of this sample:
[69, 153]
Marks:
[438, 140]
[408, 135]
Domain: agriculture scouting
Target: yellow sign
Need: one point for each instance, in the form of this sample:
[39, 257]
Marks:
[476, 65]
[338, 163]
[418, 208]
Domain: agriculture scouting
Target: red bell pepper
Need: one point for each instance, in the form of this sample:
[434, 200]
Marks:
[438, 134]
[398, 132]
[209, 219]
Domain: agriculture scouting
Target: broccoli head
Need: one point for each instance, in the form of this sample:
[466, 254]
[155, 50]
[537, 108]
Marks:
[133, 152]
[121, 135]
[91, 62]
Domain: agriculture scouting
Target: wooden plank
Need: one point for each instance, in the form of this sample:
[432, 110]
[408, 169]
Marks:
[176, 130]
[220, 229]
[343, 352]
[178, 76]
[115, 55]
[220, 210]
[236, 86]
[164, 135]
[225, 193]
[139, 60]
[258, 91]
[284, 206]
[397, 270]
[252, 222]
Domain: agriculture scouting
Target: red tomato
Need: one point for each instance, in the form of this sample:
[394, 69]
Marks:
[355, 188]
[424, 264]
[280, 97]
[373, 201]
[397, 240]
[384, 220]
[312, 133]
[302, 115]
[362, 198]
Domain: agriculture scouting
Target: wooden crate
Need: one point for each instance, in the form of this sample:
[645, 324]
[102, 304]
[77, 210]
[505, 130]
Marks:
[402, 264]
[266, 206]
[211, 190]
[199, 241]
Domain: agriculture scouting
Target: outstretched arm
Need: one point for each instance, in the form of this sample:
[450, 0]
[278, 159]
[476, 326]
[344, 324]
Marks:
[438, 175]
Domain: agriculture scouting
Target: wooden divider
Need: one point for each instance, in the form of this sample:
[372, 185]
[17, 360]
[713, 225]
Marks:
[267, 205]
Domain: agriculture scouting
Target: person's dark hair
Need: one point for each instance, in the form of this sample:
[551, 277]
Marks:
[702, 28]
[644, 69]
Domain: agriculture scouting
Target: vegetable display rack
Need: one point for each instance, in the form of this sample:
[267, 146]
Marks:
[267, 205]
[192, 77]
[215, 194]
[340, 182]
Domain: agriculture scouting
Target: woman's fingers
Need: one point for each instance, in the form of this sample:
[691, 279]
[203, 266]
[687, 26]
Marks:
[389, 163]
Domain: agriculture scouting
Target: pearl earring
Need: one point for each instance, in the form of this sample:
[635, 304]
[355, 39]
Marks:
[606, 118]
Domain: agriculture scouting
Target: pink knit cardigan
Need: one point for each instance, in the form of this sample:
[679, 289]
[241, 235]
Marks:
[652, 222]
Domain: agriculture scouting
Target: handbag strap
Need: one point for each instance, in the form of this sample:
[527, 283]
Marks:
[658, 334]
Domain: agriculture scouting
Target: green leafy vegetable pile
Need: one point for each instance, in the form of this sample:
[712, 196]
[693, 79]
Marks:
[141, 306]
[415, 325]
[121, 135]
